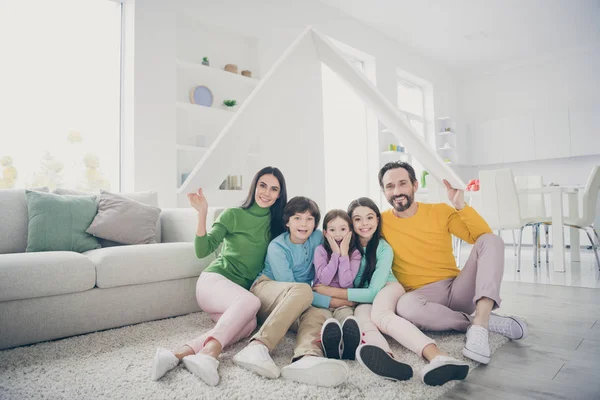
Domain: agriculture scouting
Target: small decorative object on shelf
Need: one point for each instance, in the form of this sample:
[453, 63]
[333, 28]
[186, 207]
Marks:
[392, 147]
[205, 61]
[423, 181]
[232, 182]
[447, 129]
[231, 68]
[229, 104]
[247, 73]
[201, 95]
[184, 177]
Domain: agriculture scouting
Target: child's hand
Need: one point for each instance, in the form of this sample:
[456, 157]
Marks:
[337, 303]
[332, 243]
[345, 245]
[322, 289]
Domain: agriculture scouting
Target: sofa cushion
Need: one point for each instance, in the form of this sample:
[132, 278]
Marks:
[30, 275]
[123, 220]
[149, 197]
[14, 220]
[138, 264]
[59, 223]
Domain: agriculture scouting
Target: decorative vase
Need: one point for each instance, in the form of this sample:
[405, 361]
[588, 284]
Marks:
[247, 73]
[206, 62]
[231, 68]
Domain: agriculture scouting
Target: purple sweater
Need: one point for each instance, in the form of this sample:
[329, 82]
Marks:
[339, 271]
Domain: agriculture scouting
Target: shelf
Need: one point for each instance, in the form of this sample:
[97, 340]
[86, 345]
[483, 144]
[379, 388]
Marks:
[445, 133]
[195, 108]
[389, 153]
[216, 73]
[442, 118]
[190, 148]
[385, 130]
[445, 148]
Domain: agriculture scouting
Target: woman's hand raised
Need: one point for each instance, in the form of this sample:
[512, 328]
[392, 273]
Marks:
[198, 201]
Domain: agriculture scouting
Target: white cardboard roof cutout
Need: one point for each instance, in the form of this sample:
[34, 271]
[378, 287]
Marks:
[233, 140]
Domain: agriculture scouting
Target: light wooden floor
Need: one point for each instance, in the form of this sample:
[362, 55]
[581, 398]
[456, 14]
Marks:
[561, 357]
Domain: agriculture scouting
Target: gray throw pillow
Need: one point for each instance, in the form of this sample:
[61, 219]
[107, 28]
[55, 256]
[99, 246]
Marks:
[123, 220]
[149, 197]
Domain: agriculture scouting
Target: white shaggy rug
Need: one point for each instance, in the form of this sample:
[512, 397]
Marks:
[115, 364]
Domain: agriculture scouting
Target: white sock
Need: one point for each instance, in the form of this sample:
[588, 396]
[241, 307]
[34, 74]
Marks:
[164, 361]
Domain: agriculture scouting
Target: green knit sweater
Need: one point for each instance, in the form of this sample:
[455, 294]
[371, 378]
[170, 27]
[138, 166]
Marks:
[245, 235]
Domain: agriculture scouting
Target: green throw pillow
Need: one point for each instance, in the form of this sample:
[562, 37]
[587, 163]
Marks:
[59, 223]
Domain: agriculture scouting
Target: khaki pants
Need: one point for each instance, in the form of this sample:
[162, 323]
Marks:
[284, 304]
[340, 313]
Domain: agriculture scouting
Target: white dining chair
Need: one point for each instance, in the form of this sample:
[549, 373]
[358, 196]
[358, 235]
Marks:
[499, 204]
[584, 221]
[533, 212]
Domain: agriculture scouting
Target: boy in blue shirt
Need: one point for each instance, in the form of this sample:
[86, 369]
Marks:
[287, 300]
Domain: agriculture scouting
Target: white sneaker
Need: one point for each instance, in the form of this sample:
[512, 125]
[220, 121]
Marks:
[256, 358]
[164, 361]
[512, 327]
[478, 346]
[317, 371]
[331, 339]
[443, 369]
[204, 367]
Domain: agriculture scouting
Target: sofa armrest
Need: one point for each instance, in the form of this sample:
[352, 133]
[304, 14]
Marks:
[179, 224]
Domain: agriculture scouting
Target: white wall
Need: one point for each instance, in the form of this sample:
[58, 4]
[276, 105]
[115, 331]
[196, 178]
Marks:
[546, 109]
[149, 112]
[543, 99]
[276, 24]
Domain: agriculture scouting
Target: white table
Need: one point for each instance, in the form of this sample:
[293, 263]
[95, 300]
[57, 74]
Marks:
[558, 239]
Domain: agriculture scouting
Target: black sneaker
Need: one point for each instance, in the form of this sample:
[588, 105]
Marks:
[351, 337]
[331, 339]
[381, 363]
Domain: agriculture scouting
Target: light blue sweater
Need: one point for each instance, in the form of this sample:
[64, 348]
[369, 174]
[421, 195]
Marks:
[289, 262]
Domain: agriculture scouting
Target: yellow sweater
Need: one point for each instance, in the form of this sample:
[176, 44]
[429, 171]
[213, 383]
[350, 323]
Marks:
[422, 244]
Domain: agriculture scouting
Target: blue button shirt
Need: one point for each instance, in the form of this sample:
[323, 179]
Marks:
[290, 262]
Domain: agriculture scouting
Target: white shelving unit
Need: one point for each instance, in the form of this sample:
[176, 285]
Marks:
[198, 126]
[445, 139]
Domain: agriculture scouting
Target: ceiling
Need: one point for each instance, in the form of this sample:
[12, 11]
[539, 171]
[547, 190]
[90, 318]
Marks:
[478, 35]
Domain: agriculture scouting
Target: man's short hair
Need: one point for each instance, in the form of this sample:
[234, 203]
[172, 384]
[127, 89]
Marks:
[396, 165]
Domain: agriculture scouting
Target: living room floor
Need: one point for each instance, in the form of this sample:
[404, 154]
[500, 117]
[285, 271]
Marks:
[560, 359]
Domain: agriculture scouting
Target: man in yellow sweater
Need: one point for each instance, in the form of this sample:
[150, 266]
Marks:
[440, 296]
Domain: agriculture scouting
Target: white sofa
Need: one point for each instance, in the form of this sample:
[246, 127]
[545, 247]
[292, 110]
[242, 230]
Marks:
[51, 295]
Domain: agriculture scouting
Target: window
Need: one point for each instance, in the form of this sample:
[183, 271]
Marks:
[60, 98]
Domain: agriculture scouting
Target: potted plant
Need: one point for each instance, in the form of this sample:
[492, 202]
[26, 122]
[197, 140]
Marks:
[205, 61]
[229, 104]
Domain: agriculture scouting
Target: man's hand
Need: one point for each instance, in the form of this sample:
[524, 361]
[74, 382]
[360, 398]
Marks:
[456, 196]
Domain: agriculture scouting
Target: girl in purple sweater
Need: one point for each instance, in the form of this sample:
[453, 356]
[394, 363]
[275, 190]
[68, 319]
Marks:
[336, 263]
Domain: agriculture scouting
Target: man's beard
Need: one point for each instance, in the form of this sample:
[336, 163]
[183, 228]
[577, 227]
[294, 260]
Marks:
[402, 207]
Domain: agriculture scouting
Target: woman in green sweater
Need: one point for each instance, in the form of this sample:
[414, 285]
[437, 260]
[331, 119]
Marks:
[222, 288]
